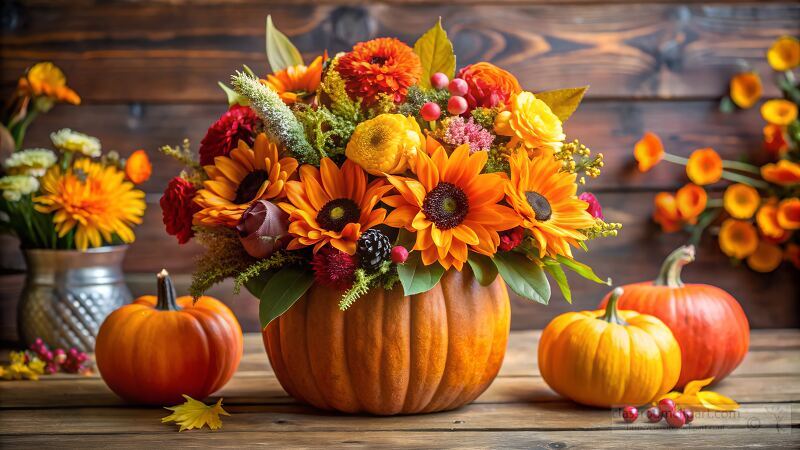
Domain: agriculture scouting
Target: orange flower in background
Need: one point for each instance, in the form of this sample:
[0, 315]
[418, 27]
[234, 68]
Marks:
[380, 66]
[666, 212]
[46, 79]
[737, 238]
[691, 200]
[774, 140]
[138, 167]
[792, 254]
[648, 151]
[238, 179]
[741, 201]
[296, 83]
[704, 166]
[784, 54]
[767, 220]
[332, 205]
[784, 172]
[452, 208]
[779, 112]
[788, 214]
[745, 89]
[766, 258]
[489, 85]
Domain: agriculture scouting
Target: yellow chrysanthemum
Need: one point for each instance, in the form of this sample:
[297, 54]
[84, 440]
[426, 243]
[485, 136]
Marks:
[745, 89]
[385, 144]
[14, 187]
[766, 258]
[46, 79]
[737, 238]
[33, 162]
[779, 112]
[741, 201]
[93, 200]
[784, 54]
[528, 120]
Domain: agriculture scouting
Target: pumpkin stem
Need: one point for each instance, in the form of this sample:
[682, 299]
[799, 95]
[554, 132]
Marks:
[670, 274]
[612, 315]
[166, 293]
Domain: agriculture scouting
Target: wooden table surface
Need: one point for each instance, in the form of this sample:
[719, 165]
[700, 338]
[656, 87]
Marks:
[518, 410]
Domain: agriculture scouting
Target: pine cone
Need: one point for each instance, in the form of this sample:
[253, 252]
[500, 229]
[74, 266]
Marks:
[373, 249]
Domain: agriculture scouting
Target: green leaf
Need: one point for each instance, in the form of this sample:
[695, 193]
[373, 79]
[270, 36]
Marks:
[483, 267]
[436, 54]
[563, 102]
[233, 97]
[727, 106]
[416, 277]
[279, 291]
[281, 53]
[523, 276]
[582, 270]
[560, 278]
[249, 71]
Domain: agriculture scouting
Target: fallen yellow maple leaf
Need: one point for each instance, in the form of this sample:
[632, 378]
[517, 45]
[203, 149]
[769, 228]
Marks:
[708, 400]
[195, 414]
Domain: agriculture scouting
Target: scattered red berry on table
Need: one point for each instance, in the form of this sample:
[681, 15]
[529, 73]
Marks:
[675, 419]
[458, 87]
[666, 405]
[399, 254]
[430, 111]
[689, 414]
[630, 414]
[653, 414]
[457, 105]
[439, 80]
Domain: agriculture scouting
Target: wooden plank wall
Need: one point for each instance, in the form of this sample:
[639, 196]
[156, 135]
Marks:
[147, 72]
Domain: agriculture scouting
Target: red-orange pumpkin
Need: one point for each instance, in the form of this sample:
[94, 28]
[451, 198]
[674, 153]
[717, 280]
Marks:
[389, 353]
[708, 323]
[157, 348]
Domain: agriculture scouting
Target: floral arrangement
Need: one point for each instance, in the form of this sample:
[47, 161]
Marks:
[382, 165]
[72, 197]
[758, 213]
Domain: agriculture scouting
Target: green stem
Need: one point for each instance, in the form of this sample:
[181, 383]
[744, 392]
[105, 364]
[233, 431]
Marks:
[742, 166]
[612, 315]
[675, 159]
[706, 219]
[738, 178]
[18, 131]
[670, 274]
[167, 298]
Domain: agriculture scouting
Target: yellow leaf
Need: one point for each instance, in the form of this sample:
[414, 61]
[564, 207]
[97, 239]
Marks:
[693, 387]
[436, 54]
[195, 414]
[281, 53]
[692, 397]
[563, 102]
[717, 402]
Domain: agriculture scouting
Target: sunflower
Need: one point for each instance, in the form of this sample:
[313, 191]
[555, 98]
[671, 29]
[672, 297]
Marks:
[332, 206]
[738, 238]
[380, 66]
[741, 201]
[546, 200]
[238, 179]
[704, 166]
[452, 206]
[93, 200]
[296, 83]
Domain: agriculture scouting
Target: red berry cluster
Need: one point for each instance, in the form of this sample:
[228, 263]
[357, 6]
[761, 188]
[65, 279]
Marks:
[666, 409]
[457, 104]
[71, 361]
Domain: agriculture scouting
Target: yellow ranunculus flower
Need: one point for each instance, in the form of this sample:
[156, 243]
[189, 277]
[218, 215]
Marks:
[779, 112]
[737, 238]
[741, 201]
[784, 54]
[385, 144]
[530, 121]
[745, 89]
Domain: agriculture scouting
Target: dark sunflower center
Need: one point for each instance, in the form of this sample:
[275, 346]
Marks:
[379, 60]
[338, 213]
[446, 206]
[541, 207]
[250, 185]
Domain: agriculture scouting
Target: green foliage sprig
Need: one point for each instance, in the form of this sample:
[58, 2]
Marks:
[277, 260]
[224, 258]
[362, 284]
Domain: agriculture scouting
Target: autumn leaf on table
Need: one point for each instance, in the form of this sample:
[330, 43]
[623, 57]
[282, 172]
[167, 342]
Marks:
[694, 398]
[195, 414]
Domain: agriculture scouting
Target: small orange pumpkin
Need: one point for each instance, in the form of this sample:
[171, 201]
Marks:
[158, 348]
[390, 353]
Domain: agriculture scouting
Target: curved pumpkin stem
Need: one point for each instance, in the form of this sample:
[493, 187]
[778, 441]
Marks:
[612, 315]
[670, 274]
[166, 293]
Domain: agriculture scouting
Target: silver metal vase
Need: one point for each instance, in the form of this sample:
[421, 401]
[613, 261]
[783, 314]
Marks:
[68, 294]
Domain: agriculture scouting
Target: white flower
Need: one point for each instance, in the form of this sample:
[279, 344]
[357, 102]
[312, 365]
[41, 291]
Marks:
[15, 186]
[34, 162]
[71, 141]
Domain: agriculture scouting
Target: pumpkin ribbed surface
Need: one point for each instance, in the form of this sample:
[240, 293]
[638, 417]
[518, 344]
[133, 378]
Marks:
[392, 354]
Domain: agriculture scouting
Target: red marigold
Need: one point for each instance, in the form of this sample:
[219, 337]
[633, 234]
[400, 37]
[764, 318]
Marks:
[334, 268]
[380, 66]
[178, 207]
[489, 85]
[238, 123]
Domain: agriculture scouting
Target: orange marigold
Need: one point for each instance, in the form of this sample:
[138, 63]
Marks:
[779, 112]
[737, 238]
[46, 79]
[784, 54]
[766, 258]
[741, 201]
[138, 167]
[648, 151]
[784, 172]
[704, 166]
[380, 66]
[489, 85]
[691, 200]
[666, 212]
[745, 89]
[296, 83]
[767, 220]
[789, 213]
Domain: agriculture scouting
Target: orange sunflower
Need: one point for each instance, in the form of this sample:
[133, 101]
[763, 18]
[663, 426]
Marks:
[296, 83]
[545, 198]
[238, 179]
[332, 206]
[452, 207]
[380, 66]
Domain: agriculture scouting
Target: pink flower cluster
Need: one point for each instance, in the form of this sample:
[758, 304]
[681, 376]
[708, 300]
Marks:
[461, 132]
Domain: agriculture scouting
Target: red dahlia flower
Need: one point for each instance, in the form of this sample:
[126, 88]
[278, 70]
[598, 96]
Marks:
[178, 207]
[238, 123]
[334, 268]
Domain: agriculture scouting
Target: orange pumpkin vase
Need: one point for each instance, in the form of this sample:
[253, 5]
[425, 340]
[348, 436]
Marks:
[708, 323]
[158, 348]
[390, 353]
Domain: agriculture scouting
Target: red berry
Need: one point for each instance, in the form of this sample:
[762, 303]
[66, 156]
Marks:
[630, 414]
[456, 105]
[689, 415]
[439, 80]
[675, 419]
[458, 87]
[653, 414]
[399, 254]
[666, 405]
[430, 111]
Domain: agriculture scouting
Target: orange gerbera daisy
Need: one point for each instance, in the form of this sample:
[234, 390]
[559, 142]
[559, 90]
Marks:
[45, 78]
[745, 89]
[704, 166]
[296, 83]
[648, 151]
[737, 238]
[453, 207]
[238, 179]
[332, 206]
[784, 172]
[380, 66]
[546, 200]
